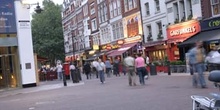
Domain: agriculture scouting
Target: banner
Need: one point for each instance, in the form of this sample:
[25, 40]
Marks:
[7, 17]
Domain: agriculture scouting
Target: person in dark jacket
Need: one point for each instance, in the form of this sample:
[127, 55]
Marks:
[116, 67]
[87, 70]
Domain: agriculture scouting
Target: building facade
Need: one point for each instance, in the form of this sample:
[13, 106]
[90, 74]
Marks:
[17, 66]
[154, 26]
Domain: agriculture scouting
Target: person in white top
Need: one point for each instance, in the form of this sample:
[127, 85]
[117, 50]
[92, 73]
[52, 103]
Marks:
[129, 63]
[94, 65]
[101, 70]
[59, 71]
[147, 60]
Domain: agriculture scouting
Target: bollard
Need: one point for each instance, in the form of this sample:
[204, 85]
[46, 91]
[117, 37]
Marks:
[168, 68]
[64, 79]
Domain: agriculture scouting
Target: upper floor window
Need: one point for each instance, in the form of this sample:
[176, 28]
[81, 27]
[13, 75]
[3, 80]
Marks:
[94, 24]
[85, 10]
[92, 9]
[157, 5]
[130, 4]
[147, 8]
[215, 7]
[160, 32]
[149, 30]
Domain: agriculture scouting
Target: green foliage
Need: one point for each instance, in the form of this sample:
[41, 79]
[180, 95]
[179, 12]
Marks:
[178, 62]
[47, 32]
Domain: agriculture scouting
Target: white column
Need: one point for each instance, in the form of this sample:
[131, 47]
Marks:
[25, 46]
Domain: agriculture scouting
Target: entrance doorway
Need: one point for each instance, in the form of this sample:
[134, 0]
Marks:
[8, 74]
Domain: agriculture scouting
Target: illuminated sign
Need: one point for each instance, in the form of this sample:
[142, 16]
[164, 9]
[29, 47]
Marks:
[132, 39]
[120, 42]
[183, 30]
[109, 46]
[95, 47]
[210, 24]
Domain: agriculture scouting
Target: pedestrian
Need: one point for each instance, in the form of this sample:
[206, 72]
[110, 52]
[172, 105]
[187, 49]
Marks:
[87, 70]
[59, 71]
[73, 73]
[147, 60]
[116, 67]
[101, 69]
[94, 65]
[140, 68]
[197, 58]
[129, 63]
[108, 67]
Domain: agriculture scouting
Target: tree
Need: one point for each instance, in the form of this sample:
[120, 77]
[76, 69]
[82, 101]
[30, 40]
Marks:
[47, 32]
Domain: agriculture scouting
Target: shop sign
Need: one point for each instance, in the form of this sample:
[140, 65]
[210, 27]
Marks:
[7, 17]
[185, 29]
[120, 42]
[133, 39]
[109, 46]
[95, 47]
[210, 24]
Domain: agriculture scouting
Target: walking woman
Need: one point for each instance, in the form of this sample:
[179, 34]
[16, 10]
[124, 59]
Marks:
[140, 68]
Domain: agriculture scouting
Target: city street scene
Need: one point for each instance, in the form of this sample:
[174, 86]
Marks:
[109, 54]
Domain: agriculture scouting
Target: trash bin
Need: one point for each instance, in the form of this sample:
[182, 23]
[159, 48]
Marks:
[153, 70]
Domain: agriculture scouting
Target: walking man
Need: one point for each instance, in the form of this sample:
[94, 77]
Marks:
[197, 57]
[129, 64]
[108, 67]
[101, 69]
[59, 70]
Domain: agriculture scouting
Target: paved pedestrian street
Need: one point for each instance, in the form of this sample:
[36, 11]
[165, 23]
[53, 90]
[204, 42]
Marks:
[161, 92]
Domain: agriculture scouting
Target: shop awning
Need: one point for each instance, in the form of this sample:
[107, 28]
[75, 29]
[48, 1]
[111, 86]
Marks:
[203, 36]
[122, 49]
[153, 43]
[96, 55]
[176, 40]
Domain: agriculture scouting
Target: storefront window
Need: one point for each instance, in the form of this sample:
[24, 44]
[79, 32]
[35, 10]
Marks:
[157, 55]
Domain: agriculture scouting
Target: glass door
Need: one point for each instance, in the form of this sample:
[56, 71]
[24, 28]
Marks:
[8, 76]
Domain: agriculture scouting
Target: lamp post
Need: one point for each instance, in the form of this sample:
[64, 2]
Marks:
[28, 3]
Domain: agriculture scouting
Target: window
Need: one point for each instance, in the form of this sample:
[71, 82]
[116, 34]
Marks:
[159, 26]
[147, 8]
[85, 10]
[149, 30]
[130, 4]
[157, 5]
[119, 6]
[118, 31]
[126, 5]
[215, 7]
[92, 9]
[110, 9]
[94, 24]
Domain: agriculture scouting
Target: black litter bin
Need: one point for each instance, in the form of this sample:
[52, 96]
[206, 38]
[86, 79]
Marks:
[153, 70]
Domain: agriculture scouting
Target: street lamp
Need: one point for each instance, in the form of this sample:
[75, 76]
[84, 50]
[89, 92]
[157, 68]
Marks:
[28, 3]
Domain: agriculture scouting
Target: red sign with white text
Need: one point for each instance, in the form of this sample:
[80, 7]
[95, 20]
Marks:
[183, 30]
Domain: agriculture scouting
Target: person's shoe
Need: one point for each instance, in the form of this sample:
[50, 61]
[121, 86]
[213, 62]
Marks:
[134, 84]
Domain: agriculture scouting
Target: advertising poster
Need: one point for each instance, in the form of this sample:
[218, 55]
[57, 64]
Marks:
[7, 17]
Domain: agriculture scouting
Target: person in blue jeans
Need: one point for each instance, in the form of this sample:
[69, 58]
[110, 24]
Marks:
[197, 59]
[140, 68]
[101, 70]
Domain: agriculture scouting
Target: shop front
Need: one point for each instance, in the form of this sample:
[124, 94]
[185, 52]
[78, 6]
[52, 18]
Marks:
[131, 45]
[156, 50]
[178, 33]
[210, 34]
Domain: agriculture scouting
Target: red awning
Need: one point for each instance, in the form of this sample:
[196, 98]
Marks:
[149, 44]
[122, 49]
